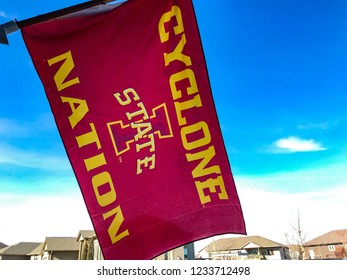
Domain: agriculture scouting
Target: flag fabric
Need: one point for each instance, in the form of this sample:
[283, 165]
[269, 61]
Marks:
[131, 98]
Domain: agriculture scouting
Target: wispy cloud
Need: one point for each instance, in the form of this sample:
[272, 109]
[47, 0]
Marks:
[294, 144]
[269, 213]
[317, 177]
[38, 160]
[309, 126]
[41, 216]
[16, 129]
[13, 129]
[5, 15]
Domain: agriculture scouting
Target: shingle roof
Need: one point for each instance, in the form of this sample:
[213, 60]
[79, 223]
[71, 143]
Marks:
[2, 245]
[61, 244]
[20, 249]
[237, 243]
[37, 250]
[332, 237]
[3, 250]
[85, 234]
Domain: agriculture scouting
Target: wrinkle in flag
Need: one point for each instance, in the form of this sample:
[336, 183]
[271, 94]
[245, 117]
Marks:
[131, 98]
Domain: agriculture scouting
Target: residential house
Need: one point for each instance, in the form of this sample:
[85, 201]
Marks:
[244, 248]
[19, 251]
[36, 254]
[185, 252]
[331, 245]
[89, 247]
[2, 245]
[60, 248]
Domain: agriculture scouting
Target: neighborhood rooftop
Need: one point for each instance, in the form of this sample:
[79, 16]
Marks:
[240, 242]
[22, 248]
[335, 236]
[61, 244]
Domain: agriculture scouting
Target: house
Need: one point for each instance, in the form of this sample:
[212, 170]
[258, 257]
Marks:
[331, 245]
[89, 247]
[36, 254]
[60, 248]
[244, 248]
[2, 245]
[19, 251]
[185, 252]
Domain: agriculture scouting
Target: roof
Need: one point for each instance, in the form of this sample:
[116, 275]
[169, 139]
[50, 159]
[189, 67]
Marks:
[238, 243]
[61, 244]
[37, 251]
[2, 245]
[84, 234]
[19, 249]
[332, 237]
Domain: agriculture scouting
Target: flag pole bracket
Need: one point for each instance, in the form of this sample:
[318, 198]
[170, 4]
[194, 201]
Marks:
[7, 28]
[13, 26]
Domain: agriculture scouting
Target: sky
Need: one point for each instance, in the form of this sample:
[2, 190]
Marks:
[278, 76]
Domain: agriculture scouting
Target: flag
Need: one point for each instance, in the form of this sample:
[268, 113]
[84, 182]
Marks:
[131, 98]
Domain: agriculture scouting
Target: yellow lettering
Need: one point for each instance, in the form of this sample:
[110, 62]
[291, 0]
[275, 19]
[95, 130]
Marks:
[211, 185]
[89, 138]
[95, 162]
[64, 70]
[142, 129]
[144, 162]
[177, 54]
[205, 157]
[77, 112]
[178, 29]
[182, 106]
[199, 142]
[128, 98]
[180, 76]
[117, 222]
[140, 112]
[150, 144]
[104, 179]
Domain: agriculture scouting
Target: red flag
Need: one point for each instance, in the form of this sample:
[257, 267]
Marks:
[131, 98]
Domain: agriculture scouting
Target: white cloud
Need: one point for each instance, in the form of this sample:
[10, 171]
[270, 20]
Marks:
[267, 213]
[294, 144]
[270, 214]
[3, 14]
[317, 177]
[34, 218]
[37, 160]
[15, 129]
[309, 126]
[43, 184]
[11, 128]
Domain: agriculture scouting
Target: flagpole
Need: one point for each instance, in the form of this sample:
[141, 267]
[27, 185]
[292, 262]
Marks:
[61, 12]
[14, 25]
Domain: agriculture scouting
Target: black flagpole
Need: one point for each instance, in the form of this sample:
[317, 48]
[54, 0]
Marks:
[13, 26]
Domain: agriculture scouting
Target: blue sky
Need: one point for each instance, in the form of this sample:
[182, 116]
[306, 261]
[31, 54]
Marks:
[278, 75]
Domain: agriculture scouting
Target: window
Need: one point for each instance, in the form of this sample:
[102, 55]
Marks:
[185, 253]
[253, 251]
[331, 248]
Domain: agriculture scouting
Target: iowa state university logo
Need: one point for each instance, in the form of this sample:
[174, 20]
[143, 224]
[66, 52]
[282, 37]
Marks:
[141, 130]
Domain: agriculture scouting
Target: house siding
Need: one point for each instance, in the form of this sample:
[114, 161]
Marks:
[12, 257]
[64, 255]
[323, 252]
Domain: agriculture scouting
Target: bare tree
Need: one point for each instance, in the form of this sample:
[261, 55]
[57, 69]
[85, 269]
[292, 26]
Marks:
[297, 239]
